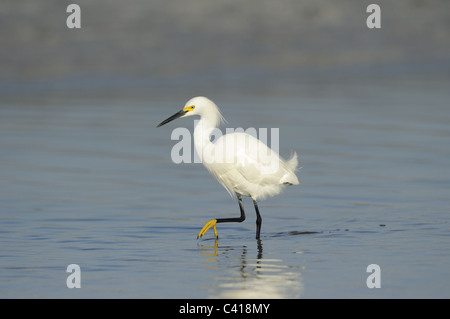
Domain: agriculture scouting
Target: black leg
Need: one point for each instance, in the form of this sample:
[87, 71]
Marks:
[258, 220]
[213, 222]
[237, 219]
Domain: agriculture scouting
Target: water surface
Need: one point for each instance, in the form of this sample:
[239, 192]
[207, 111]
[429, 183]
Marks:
[90, 182]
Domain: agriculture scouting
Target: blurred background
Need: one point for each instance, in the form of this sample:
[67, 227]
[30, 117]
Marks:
[86, 177]
[196, 47]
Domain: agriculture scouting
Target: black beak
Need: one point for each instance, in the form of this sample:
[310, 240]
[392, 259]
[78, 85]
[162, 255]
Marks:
[173, 117]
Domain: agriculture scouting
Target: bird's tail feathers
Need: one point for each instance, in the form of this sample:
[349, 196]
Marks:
[292, 163]
[289, 177]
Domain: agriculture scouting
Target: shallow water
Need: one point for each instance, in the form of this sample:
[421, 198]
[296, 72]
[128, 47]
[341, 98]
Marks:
[90, 182]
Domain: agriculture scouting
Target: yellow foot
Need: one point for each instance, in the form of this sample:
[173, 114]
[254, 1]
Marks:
[208, 225]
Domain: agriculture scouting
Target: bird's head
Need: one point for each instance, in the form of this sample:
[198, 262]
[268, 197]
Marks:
[199, 105]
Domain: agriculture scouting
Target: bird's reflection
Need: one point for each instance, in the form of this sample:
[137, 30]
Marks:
[238, 275]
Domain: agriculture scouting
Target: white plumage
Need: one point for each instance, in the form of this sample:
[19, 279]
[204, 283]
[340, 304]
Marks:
[240, 162]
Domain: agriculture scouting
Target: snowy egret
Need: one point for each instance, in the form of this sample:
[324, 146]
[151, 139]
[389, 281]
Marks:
[244, 165]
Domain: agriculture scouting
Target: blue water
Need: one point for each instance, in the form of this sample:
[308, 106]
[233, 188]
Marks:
[91, 182]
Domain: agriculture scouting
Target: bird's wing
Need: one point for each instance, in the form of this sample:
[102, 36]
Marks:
[250, 158]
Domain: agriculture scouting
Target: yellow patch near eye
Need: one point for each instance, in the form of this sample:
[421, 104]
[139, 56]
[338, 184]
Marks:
[189, 108]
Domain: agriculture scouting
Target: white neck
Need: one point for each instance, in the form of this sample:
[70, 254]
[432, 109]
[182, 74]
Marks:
[202, 142]
[202, 133]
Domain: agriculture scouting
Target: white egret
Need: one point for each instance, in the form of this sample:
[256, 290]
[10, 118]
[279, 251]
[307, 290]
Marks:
[244, 165]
